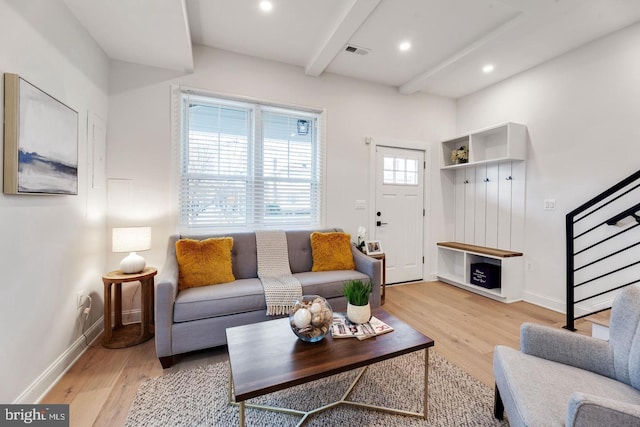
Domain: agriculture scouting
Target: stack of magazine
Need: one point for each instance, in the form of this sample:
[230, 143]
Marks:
[342, 327]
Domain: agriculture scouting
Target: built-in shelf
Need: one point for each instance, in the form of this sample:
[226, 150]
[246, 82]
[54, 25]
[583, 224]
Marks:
[454, 267]
[487, 206]
[490, 145]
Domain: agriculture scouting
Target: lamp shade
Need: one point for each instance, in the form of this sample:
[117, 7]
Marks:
[131, 239]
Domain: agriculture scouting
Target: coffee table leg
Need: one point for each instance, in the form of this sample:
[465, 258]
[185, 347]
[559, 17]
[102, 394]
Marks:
[242, 414]
[426, 382]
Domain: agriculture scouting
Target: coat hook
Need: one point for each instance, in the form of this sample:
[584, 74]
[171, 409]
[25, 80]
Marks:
[486, 180]
[509, 178]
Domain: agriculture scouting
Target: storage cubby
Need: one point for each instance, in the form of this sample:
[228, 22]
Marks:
[493, 144]
[450, 145]
[454, 267]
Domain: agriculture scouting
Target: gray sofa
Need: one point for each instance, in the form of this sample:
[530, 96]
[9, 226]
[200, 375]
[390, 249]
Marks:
[196, 318]
[561, 378]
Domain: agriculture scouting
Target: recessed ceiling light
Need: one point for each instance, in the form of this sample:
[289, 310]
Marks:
[404, 46]
[488, 68]
[266, 6]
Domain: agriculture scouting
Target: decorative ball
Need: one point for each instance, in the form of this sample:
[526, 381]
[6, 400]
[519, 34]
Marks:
[302, 318]
[311, 318]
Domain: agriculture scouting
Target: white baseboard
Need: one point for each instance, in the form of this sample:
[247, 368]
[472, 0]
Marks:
[41, 386]
[131, 316]
[546, 302]
[599, 331]
[561, 305]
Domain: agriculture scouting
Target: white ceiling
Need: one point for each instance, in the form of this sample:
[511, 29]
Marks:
[451, 39]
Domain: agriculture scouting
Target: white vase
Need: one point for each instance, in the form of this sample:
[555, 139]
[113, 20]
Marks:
[358, 313]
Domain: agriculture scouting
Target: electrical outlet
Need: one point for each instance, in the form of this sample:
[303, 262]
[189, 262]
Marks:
[529, 265]
[80, 297]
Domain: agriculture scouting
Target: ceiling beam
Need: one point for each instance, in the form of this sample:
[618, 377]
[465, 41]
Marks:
[418, 82]
[354, 16]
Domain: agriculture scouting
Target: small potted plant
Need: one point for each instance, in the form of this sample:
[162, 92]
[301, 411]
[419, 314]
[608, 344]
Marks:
[357, 294]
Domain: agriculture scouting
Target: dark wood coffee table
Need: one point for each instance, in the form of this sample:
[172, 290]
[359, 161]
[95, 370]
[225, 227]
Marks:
[266, 357]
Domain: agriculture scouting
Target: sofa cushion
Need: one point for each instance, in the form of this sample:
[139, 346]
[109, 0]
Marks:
[244, 261]
[246, 295]
[299, 244]
[331, 251]
[328, 284]
[219, 300]
[204, 262]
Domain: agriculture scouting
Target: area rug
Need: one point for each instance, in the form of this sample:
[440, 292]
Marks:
[198, 397]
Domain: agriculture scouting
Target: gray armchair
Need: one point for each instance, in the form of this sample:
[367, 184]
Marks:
[562, 378]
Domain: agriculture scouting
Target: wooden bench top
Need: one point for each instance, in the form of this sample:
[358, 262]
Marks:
[480, 249]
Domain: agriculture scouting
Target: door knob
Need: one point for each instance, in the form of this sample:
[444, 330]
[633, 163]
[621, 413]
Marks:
[379, 223]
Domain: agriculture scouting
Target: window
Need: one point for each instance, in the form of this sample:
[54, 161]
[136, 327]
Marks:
[248, 165]
[400, 171]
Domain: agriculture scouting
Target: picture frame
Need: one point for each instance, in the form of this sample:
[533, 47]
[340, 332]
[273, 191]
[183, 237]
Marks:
[40, 141]
[373, 247]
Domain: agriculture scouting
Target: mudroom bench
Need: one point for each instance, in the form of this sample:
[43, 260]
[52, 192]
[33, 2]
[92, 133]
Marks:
[492, 272]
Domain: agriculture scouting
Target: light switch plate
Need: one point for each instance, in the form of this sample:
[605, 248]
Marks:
[549, 204]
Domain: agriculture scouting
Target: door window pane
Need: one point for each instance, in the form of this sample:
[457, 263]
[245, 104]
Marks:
[400, 171]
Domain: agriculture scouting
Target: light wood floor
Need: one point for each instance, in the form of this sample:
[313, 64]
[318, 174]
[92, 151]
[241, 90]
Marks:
[465, 327]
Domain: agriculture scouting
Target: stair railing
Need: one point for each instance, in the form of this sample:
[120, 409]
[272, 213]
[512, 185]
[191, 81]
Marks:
[586, 224]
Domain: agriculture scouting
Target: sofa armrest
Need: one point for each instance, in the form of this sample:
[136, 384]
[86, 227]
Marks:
[372, 268]
[569, 348]
[586, 410]
[166, 290]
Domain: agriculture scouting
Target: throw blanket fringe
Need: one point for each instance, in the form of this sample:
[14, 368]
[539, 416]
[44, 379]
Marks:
[281, 289]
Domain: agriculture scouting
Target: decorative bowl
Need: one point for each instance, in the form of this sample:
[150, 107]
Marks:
[311, 318]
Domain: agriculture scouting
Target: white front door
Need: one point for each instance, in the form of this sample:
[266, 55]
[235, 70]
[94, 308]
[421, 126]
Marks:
[399, 211]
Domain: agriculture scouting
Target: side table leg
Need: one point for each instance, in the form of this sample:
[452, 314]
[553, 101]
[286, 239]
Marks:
[145, 320]
[106, 338]
[153, 301]
[384, 278]
[117, 306]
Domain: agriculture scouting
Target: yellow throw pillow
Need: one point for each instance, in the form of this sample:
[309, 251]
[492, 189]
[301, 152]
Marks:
[331, 251]
[204, 262]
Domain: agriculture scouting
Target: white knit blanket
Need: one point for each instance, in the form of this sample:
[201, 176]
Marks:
[281, 289]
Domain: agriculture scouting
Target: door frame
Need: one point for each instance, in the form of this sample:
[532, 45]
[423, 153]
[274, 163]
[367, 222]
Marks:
[426, 189]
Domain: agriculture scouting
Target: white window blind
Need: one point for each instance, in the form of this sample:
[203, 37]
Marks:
[248, 165]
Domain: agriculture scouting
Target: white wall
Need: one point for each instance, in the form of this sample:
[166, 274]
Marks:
[52, 246]
[139, 147]
[582, 112]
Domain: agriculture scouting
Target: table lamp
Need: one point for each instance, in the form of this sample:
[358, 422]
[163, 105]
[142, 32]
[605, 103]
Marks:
[131, 239]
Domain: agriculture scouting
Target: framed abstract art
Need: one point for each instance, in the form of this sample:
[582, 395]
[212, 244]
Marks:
[40, 141]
